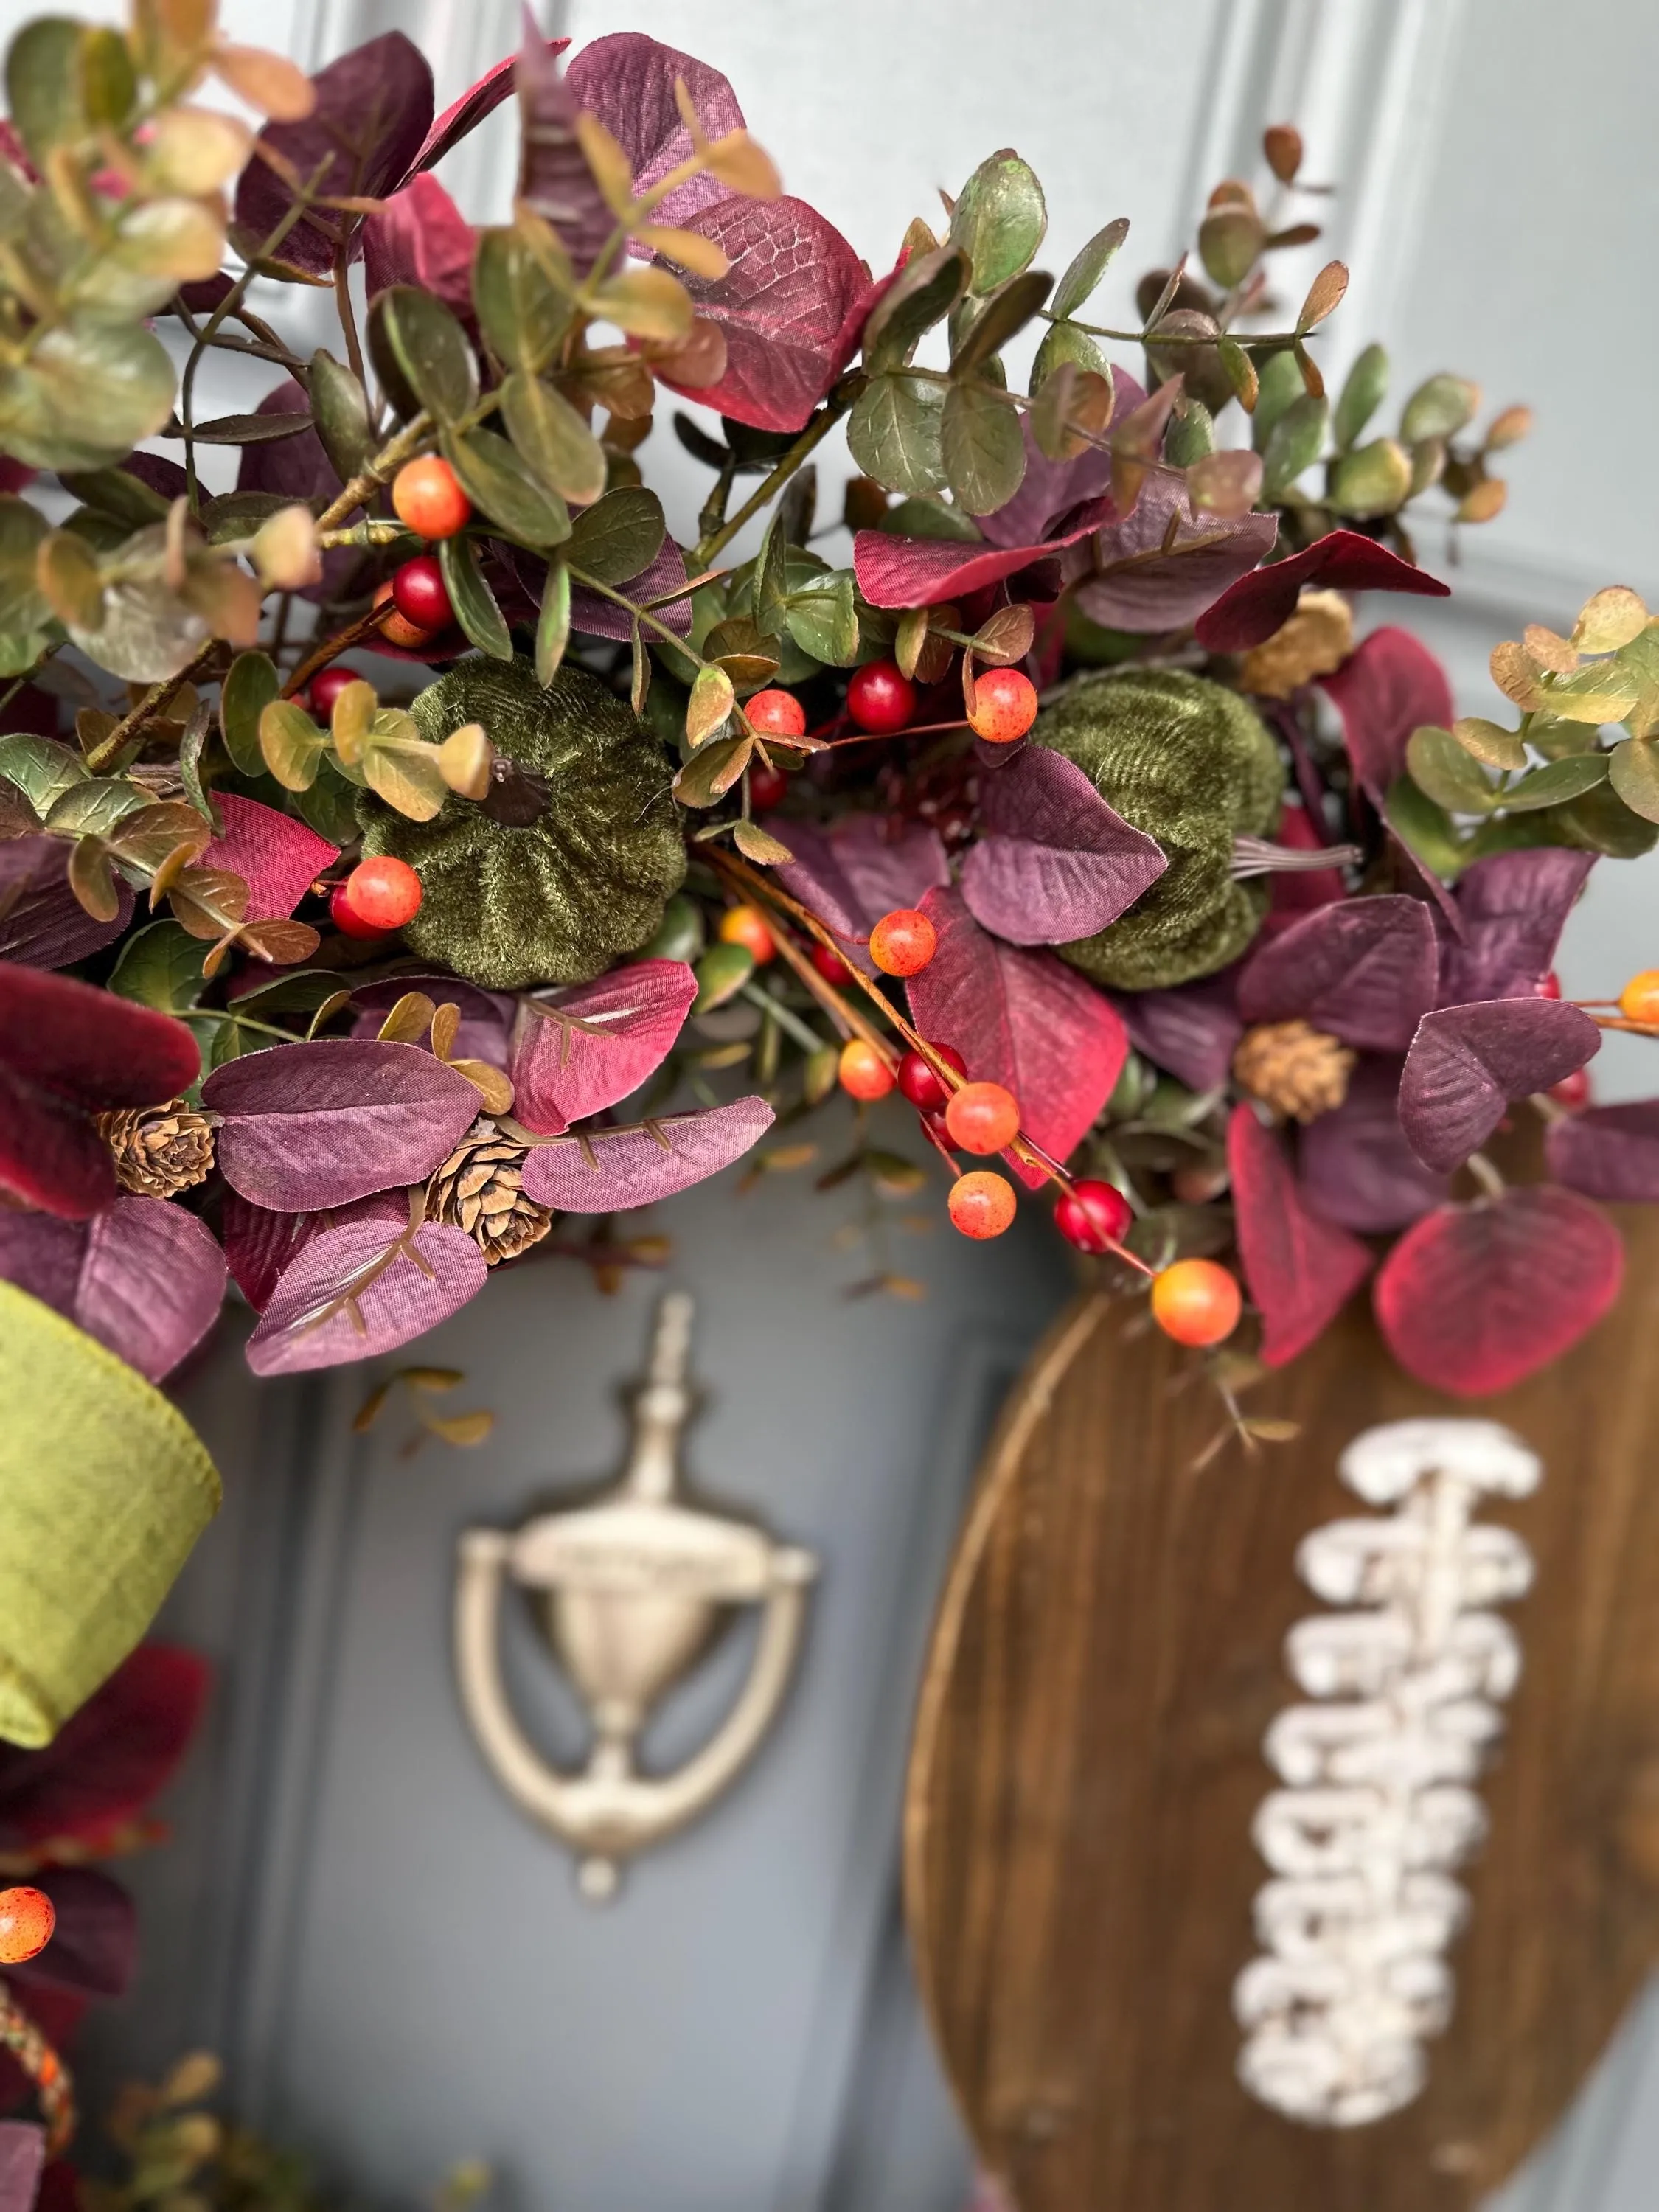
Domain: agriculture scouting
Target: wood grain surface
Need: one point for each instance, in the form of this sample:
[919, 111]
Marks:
[1087, 1760]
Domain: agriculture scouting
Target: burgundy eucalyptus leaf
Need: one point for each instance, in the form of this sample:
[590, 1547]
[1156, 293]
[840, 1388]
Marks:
[599, 617]
[1342, 561]
[1514, 906]
[110, 1757]
[421, 237]
[851, 875]
[42, 923]
[145, 1278]
[576, 1052]
[610, 1171]
[307, 1126]
[464, 116]
[1608, 1151]
[1365, 970]
[277, 857]
[23, 2155]
[1466, 1063]
[1390, 686]
[627, 80]
[1357, 1168]
[94, 1941]
[1055, 862]
[924, 572]
[1022, 1019]
[1162, 565]
[1475, 1298]
[261, 1245]
[1190, 1030]
[1050, 491]
[363, 1288]
[486, 1022]
[1301, 1270]
[554, 178]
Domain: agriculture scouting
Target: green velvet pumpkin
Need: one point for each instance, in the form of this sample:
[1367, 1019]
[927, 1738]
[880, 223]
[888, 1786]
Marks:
[512, 901]
[1189, 763]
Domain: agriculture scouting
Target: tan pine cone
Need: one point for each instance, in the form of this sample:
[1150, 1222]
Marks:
[1317, 638]
[1294, 1068]
[479, 1189]
[158, 1150]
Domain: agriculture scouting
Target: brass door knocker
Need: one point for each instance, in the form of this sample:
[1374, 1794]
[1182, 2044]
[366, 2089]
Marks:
[629, 1592]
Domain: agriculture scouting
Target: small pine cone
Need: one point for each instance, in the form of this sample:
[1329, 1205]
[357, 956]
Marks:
[1317, 638]
[479, 1189]
[158, 1150]
[1294, 1068]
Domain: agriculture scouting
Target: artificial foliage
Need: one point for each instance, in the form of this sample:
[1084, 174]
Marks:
[419, 850]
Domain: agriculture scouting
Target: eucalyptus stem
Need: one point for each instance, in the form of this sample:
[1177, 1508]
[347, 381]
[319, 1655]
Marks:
[790, 1022]
[1279, 340]
[840, 400]
[368, 481]
[104, 753]
[346, 312]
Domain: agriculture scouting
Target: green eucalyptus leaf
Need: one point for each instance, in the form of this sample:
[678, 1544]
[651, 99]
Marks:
[89, 392]
[522, 312]
[1000, 220]
[893, 432]
[42, 768]
[161, 966]
[999, 319]
[1490, 743]
[474, 603]
[620, 535]
[339, 413]
[22, 527]
[721, 974]
[1191, 434]
[1064, 341]
[93, 809]
[1439, 408]
[552, 437]
[251, 683]
[1424, 824]
[1599, 822]
[823, 619]
[923, 291]
[237, 514]
[118, 493]
[428, 348]
[43, 85]
[1633, 772]
[553, 624]
[328, 806]
[1371, 479]
[982, 446]
[1557, 782]
[1292, 444]
[1361, 396]
[771, 591]
[1280, 387]
[1087, 268]
[922, 517]
[1439, 766]
[499, 484]
[108, 85]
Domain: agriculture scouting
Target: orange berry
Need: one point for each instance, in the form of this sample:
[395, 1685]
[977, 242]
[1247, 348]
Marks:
[1005, 706]
[982, 1117]
[864, 1073]
[397, 629]
[27, 1920]
[1639, 999]
[982, 1204]
[427, 496]
[903, 942]
[777, 715]
[385, 893]
[746, 926]
[1196, 1302]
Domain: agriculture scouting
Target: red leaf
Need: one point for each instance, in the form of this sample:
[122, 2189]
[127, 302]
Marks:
[851, 875]
[112, 1756]
[1466, 1063]
[576, 1052]
[465, 115]
[1055, 862]
[627, 80]
[415, 1290]
[1022, 1019]
[1301, 1271]
[609, 1170]
[1342, 561]
[554, 176]
[925, 572]
[1476, 1298]
[1391, 685]
[599, 617]
[143, 1277]
[42, 923]
[1365, 970]
[1609, 1152]
[1049, 491]
[277, 857]
[421, 237]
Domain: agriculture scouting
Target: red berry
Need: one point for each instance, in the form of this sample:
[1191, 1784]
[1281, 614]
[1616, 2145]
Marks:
[1093, 1216]
[830, 965]
[982, 1204]
[864, 1073]
[384, 893]
[1572, 1092]
[767, 788]
[326, 687]
[1196, 1302]
[428, 496]
[1548, 986]
[1005, 706]
[777, 715]
[746, 926]
[982, 1117]
[345, 916]
[28, 1917]
[922, 1087]
[934, 1125]
[903, 942]
[881, 698]
[422, 594]
[395, 628]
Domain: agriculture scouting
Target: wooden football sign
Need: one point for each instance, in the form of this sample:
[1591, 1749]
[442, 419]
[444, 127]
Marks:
[1083, 1874]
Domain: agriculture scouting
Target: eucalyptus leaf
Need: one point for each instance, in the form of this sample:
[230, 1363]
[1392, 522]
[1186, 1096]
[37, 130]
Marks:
[1064, 341]
[43, 85]
[999, 319]
[523, 314]
[42, 768]
[161, 966]
[117, 493]
[1633, 772]
[1000, 220]
[1292, 444]
[475, 606]
[1425, 826]
[22, 527]
[339, 414]
[1280, 387]
[1087, 268]
[823, 619]
[251, 683]
[1372, 479]
[1439, 766]
[1361, 396]
[1599, 822]
[982, 446]
[552, 437]
[88, 392]
[429, 349]
[246, 429]
[91, 809]
[893, 432]
[328, 806]
[619, 535]
[553, 624]
[1557, 782]
[923, 291]
[1439, 408]
[498, 482]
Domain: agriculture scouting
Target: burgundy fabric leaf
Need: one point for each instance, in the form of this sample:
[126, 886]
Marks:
[599, 617]
[143, 1277]
[277, 857]
[1477, 1297]
[610, 1171]
[1514, 906]
[1022, 1019]
[1190, 1030]
[23, 2157]
[1050, 490]
[110, 1757]
[94, 1941]
[1365, 970]
[261, 1245]
[307, 1126]
[1390, 686]
[854, 873]
[42, 923]
[1341, 561]
[576, 1052]
[924, 572]
[1466, 1063]
[1162, 565]
[1357, 1168]
[464, 115]
[554, 178]
[293, 468]
[1301, 1270]
[486, 1022]
[421, 237]
[1608, 1151]
[373, 108]
[1054, 862]
[627, 80]
[361, 1288]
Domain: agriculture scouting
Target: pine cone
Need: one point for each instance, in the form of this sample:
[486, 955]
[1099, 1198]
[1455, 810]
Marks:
[1317, 638]
[1294, 1068]
[158, 1150]
[479, 1189]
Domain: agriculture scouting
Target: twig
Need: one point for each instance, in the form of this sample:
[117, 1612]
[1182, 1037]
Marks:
[840, 400]
[105, 753]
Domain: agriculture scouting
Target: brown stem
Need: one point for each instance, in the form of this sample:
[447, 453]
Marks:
[365, 627]
[834, 407]
[371, 479]
[103, 755]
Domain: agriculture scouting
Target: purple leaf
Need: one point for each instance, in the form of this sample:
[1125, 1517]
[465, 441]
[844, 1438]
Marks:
[1022, 1019]
[924, 572]
[609, 1170]
[854, 873]
[306, 1125]
[293, 468]
[145, 1278]
[1301, 1270]
[1364, 970]
[1476, 1298]
[576, 1052]
[598, 618]
[1608, 1151]
[1466, 1063]
[1055, 862]
[554, 178]
[627, 80]
[1342, 561]
[167, 477]
[1161, 565]
[92, 1946]
[1514, 906]
[1357, 1168]
[1391, 686]
[1191, 1029]
[277, 857]
[42, 923]
[421, 237]
[465, 115]
[486, 1021]
[22, 2154]
[373, 107]
[361, 1288]
[260, 1246]
[1050, 490]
